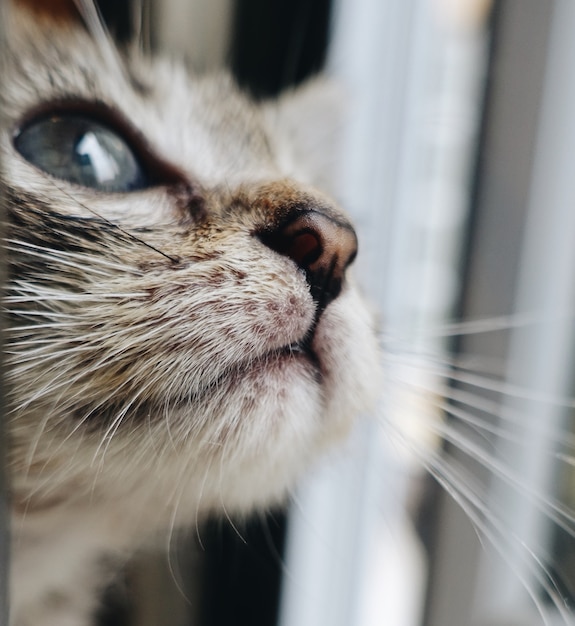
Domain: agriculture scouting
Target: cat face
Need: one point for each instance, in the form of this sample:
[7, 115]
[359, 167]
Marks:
[179, 302]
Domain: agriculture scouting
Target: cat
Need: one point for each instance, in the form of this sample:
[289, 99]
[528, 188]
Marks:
[183, 334]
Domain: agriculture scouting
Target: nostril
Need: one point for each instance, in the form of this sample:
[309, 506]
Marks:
[302, 246]
[305, 248]
[322, 246]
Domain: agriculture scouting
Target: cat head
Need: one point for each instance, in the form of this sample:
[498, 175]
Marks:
[179, 302]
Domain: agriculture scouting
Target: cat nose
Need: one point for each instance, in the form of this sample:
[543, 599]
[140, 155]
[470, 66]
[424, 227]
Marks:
[322, 244]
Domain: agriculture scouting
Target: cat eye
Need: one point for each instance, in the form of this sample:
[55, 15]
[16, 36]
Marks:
[83, 151]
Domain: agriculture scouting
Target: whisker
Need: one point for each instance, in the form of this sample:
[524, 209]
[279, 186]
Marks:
[231, 523]
[501, 537]
[506, 417]
[561, 515]
[460, 375]
[486, 325]
[442, 359]
[67, 258]
[181, 485]
[95, 24]
[198, 504]
[174, 260]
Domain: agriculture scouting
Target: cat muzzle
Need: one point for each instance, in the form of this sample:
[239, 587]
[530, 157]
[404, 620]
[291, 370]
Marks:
[322, 245]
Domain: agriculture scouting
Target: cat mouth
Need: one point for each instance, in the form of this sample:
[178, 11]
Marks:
[305, 349]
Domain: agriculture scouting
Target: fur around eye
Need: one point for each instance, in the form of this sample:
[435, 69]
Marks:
[83, 151]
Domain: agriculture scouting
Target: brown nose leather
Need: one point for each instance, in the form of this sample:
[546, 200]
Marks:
[322, 245]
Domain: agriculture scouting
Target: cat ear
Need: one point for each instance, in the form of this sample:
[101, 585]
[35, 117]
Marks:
[56, 10]
[311, 120]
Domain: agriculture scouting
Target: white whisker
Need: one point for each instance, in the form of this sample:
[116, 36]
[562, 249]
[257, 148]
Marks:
[511, 547]
[485, 325]
[458, 374]
[91, 15]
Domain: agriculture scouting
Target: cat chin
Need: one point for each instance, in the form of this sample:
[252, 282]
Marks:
[298, 413]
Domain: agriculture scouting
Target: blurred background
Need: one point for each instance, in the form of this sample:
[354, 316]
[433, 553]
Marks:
[453, 505]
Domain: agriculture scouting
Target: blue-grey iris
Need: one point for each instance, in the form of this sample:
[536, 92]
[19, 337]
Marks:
[83, 151]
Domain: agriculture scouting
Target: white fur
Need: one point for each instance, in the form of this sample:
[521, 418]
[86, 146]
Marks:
[210, 417]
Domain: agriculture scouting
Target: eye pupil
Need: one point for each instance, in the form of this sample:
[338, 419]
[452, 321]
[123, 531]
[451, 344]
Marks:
[83, 151]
